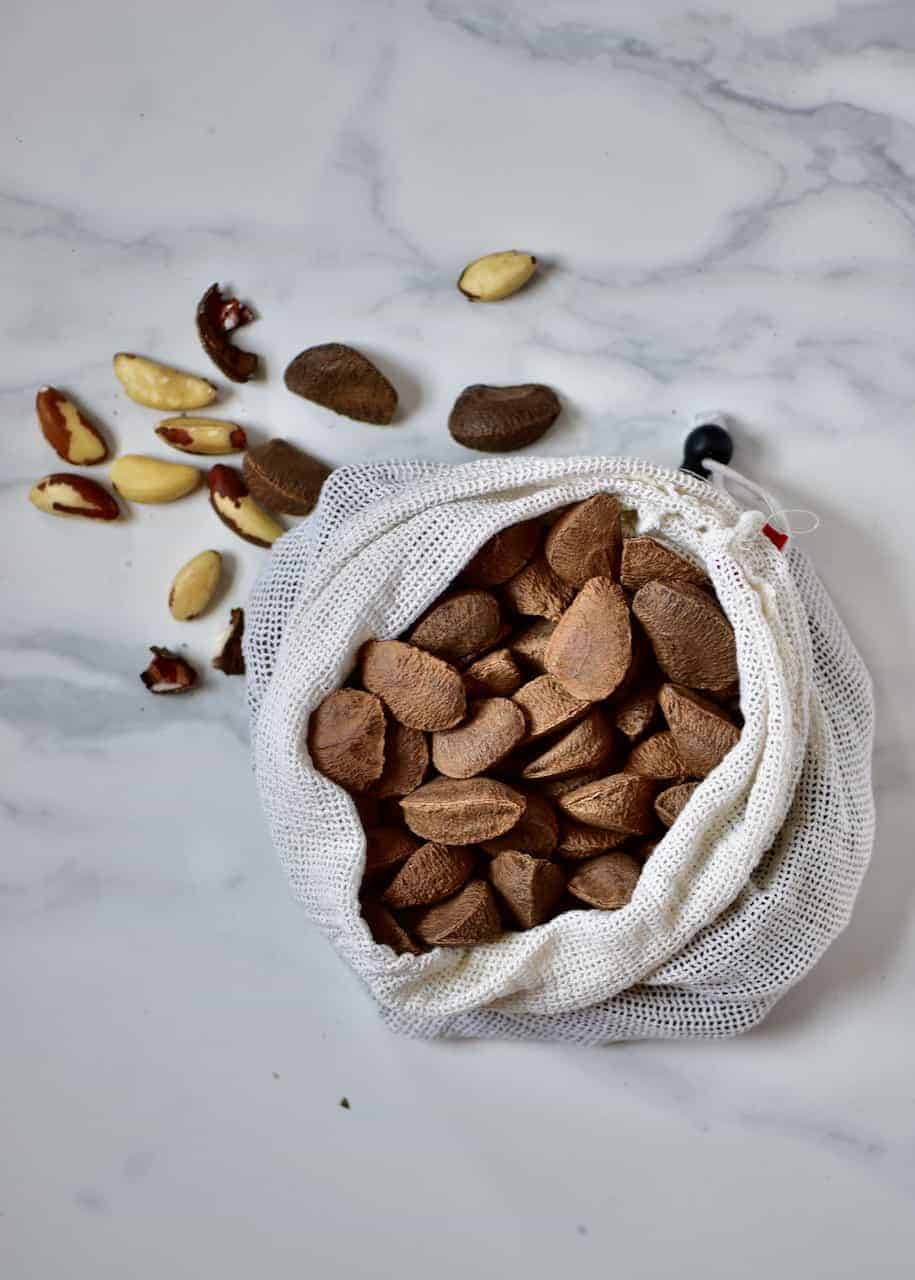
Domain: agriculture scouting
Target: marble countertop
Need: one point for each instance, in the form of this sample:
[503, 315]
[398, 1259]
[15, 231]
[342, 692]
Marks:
[724, 198]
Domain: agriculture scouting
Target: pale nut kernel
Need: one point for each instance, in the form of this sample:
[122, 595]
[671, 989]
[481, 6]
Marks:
[142, 479]
[72, 495]
[230, 499]
[158, 386]
[194, 585]
[67, 431]
[496, 275]
[202, 435]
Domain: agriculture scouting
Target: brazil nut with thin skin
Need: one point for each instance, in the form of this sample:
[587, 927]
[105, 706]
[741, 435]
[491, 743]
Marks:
[64, 494]
[230, 499]
[67, 430]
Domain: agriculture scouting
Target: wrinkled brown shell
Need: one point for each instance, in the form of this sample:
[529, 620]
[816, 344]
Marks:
[462, 811]
[346, 738]
[529, 887]
[419, 690]
[470, 917]
[585, 541]
[433, 872]
[529, 645]
[388, 931]
[585, 746]
[406, 759]
[342, 379]
[536, 833]
[635, 711]
[499, 419]
[503, 555]
[620, 802]
[283, 477]
[496, 675]
[459, 625]
[548, 706]
[669, 804]
[386, 848]
[578, 841]
[702, 731]
[590, 651]
[657, 757]
[691, 638]
[538, 592]
[493, 728]
[607, 882]
[646, 560]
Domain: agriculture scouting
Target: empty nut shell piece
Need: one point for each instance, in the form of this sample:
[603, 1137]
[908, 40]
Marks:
[548, 706]
[229, 657]
[230, 499]
[462, 811]
[469, 918]
[158, 386]
[496, 275]
[346, 738]
[537, 591]
[529, 887]
[692, 639]
[536, 833]
[585, 746]
[194, 585]
[406, 759]
[202, 435]
[387, 931]
[283, 477]
[433, 872]
[217, 317]
[607, 882]
[590, 651]
[493, 728]
[620, 802]
[499, 419]
[61, 494]
[342, 379]
[585, 541]
[657, 757]
[459, 625]
[577, 841]
[669, 804]
[503, 555]
[702, 731]
[385, 849]
[647, 560]
[419, 690]
[141, 479]
[168, 673]
[69, 433]
[496, 674]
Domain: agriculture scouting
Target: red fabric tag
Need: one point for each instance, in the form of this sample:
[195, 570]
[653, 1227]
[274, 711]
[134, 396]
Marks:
[775, 536]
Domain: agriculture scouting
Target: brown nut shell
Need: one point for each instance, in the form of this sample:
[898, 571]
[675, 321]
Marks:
[385, 849]
[341, 379]
[620, 802]
[503, 555]
[529, 644]
[657, 757]
[587, 745]
[670, 803]
[469, 918]
[346, 738]
[536, 833]
[493, 728]
[548, 706]
[388, 931]
[590, 651]
[168, 672]
[701, 730]
[691, 638]
[433, 872]
[578, 841]
[607, 882]
[406, 759]
[462, 811]
[635, 711]
[647, 560]
[217, 317]
[529, 887]
[419, 690]
[495, 675]
[499, 419]
[459, 625]
[283, 477]
[585, 541]
[537, 591]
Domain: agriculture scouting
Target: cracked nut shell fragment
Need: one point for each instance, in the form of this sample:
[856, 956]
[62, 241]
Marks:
[67, 430]
[217, 317]
[230, 499]
[168, 672]
[229, 657]
[339, 378]
[63, 494]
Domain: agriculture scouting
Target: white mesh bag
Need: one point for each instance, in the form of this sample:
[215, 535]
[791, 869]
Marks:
[745, 891]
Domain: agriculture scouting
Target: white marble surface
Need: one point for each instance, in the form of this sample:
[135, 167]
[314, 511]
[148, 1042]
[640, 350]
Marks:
[725, 195]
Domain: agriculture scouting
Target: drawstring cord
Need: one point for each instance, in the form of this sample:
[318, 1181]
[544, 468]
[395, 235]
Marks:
[779, 527]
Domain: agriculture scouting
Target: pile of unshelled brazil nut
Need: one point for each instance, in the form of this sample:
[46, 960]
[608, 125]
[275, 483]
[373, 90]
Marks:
[522, 749]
